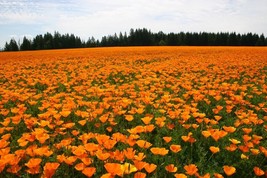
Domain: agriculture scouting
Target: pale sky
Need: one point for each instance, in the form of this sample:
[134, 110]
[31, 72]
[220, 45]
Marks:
[86, 18]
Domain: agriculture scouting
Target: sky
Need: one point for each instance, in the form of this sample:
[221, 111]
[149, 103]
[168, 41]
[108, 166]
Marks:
[87, 18]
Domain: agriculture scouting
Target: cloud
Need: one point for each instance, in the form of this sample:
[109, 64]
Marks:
[100, 17]
[107, 17]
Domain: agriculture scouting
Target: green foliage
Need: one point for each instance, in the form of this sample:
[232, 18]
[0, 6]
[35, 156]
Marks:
[138, 37]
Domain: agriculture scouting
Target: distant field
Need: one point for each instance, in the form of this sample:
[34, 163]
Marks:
[134, 112]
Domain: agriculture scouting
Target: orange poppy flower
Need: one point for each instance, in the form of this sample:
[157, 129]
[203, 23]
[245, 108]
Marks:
[146, 120]
[139, 129]
[229, 129]
[150, 167]
[186, 126]
[258, 171]
[171, 168]
[207, 175]
[119, 137]
[246, 138]
[68, 125]
[91, 147]
[50, 169]
[180, 176]
[4, 112]
[16, 119]
[254, 151]
[61, 158]
[160, 121]
[86, 161]
[229, 170]
[170, 126]
[14, 169]
[70, 160]
[185, 116]
[129, 153]
[75, 132]
[79, 151]
[129, 117]
[139, 175]
[139, 164]
[101, 155]
[43, 123]
[79, 166]
[130, 141]
[6, 122]
[117, 155]
[217, 134]
[33, 162]
[109, 144]
[191, 169]
[34, 165]
[65, 113]
[189, 138]
[231, 148]
[107, 175]
[140, 110]
[247, 130]
[101, 139]
[263, 150]
[159, 151]
[42, 137]
[43, 151]
[82, 122]
[57, 116]
[256, 139]
[3, 143]
[5, 151]
[35, 170]
[206, 120]
[22, 142]
[140, 156]
[234, 141]
[206, 133]
[167, 139]
[195, 126]
[217, 175]
[109, 129]
[89, 171]
[175, 148]
[217, 118]
[114, 169]
[149, 128]
[143, 144]
[214, 149]
[104, 118]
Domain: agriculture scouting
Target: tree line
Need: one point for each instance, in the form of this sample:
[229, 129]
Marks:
[137, 37]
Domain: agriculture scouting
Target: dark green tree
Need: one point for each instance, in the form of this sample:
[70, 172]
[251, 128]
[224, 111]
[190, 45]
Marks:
[261, 41]
[26, 44]
[11, 46]
[38, 42]
[139, 37]
[48, 41]
[57, 41]
[232, 40]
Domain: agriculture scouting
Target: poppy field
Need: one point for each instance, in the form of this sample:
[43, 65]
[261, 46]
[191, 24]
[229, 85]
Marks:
[134, 112]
